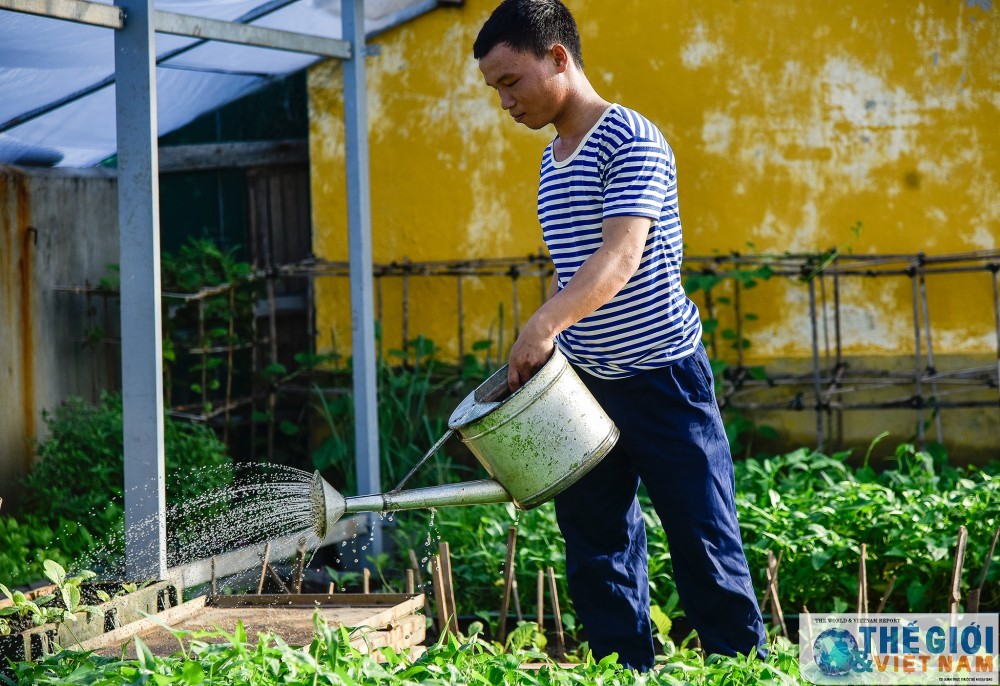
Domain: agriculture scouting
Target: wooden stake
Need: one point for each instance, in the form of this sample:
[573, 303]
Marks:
[972, 606]
[449, 585]
[540, 602]
[863, 582]
[517, 602]
[300, 567]
[215, 591]
[437, 580]
[411, 587]
[955, 596]
[366, 580]
[277, 578]
[416, 567]
[805, 622]
[885, 596]
[777, 616]
[263, 567]
[508, 582]
[331, 589]
[557, 615]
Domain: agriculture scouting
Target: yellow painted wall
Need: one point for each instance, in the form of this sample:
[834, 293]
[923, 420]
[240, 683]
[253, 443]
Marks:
[791, 122]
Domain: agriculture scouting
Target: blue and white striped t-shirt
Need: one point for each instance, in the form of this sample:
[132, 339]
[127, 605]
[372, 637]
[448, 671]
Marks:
[623, 167]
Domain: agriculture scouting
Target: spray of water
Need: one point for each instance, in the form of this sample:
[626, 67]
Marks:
[262, 502]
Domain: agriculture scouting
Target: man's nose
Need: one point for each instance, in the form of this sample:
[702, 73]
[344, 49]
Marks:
[506, 101]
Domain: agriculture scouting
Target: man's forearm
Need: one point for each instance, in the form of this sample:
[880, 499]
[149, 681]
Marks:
[597, 281]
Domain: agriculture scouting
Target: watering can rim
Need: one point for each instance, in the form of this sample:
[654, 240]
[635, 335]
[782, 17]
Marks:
[471, 410]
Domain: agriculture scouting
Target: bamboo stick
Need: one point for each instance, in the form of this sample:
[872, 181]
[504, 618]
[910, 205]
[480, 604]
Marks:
[955, 596]
[972, 606]
[366, 580]
[263, 567]
[437, 580]
[416, 567]
[278, 579]
[557, 615]
[508, 582]
[215, 591]
[449, 585]
[517, 602]
[540, 600]
[410, 582]
[300, 567]
[863, 582]
[331, 589]
[885, 596]
[777, 616]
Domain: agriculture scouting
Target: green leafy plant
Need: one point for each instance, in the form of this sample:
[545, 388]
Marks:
[21, 613]
[73, 496]
[343, 579]
[68, 587]
[329, 658]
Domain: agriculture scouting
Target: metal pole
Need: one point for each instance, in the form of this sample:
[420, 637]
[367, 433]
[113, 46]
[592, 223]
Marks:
[359, 224]
[996, 316]
[139, 245]
[931, 368]
[461, 319]
[815, 354]
[917, 370]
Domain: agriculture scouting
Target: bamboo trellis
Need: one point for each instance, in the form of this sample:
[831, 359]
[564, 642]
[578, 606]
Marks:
[830, 388]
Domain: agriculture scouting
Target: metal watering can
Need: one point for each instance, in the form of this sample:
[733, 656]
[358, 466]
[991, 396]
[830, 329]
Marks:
[534, 442]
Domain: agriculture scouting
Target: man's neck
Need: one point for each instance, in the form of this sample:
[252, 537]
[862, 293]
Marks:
[583, 110]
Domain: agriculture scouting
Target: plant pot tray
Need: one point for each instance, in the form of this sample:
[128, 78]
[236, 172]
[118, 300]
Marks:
[377, 620]
[36, 642]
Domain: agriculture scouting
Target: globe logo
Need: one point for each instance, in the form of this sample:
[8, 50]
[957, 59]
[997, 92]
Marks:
[834, 651]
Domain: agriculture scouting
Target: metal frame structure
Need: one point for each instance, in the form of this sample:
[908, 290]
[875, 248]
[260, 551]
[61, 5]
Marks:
[135, 22]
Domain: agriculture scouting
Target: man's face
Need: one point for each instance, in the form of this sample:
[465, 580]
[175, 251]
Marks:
[527, 85]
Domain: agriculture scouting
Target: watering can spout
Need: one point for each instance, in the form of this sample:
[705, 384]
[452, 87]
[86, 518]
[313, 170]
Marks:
[328, 506]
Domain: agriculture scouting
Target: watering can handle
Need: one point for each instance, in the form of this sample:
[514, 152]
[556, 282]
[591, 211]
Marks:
[423, 459]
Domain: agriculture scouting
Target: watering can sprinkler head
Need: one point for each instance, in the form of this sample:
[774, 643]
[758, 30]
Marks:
[326, 506]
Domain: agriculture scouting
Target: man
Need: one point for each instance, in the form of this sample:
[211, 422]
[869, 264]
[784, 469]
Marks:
[607, 202]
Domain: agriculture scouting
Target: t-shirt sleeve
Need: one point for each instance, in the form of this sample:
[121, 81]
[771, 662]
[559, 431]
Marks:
[636, 180]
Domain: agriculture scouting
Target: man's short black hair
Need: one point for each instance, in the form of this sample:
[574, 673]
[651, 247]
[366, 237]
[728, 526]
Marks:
[530, 25]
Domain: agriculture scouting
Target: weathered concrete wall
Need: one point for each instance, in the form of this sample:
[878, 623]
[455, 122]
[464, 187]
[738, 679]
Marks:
[57, 229]
[791, 121]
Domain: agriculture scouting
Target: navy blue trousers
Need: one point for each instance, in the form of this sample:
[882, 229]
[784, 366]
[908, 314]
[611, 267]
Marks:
[672, 438]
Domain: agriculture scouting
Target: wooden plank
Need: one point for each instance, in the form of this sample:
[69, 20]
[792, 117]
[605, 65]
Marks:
[373, 627]
[125, 633]
[407, 631]
[319, 599]
[203, 157]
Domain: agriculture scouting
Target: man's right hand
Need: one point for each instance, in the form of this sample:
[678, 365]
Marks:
[529, 353]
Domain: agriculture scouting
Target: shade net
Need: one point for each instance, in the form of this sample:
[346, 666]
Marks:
[57, 91]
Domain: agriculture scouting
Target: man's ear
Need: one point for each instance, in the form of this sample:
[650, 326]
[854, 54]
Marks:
[560, 57]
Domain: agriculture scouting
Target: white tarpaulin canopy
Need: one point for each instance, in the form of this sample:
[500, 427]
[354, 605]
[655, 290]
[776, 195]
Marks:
[57, 91]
